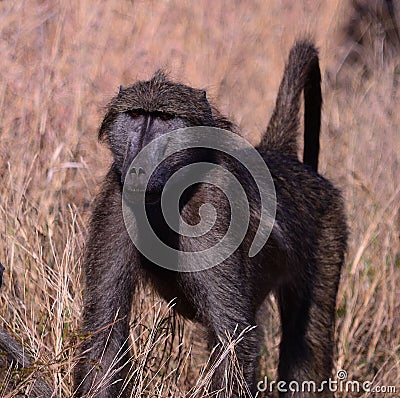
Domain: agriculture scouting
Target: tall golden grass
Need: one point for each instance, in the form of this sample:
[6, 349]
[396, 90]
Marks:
[60, 62]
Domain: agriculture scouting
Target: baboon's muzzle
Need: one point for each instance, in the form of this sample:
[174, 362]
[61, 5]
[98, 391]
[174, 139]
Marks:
[138, 186]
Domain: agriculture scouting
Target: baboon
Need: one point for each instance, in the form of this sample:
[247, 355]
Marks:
[300, 263]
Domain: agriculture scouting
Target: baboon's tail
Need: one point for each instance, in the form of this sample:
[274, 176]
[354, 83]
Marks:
[301, 73]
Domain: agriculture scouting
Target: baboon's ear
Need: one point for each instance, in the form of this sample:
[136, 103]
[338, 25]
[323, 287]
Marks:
[121, 89]
[204, 94]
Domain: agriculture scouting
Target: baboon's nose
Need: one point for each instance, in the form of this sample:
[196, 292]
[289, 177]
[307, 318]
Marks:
[135, 179]
[137, 172]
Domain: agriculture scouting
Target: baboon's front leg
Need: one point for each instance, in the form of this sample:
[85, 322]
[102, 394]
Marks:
[110, 272]
[236, 374]
[231, 319]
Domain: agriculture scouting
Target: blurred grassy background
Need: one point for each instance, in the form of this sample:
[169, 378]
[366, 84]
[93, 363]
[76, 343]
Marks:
[60, 64]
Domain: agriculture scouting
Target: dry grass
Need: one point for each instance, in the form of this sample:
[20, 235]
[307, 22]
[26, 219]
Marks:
[61, 62]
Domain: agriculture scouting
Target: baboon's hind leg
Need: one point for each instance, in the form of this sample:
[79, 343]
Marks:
[308, 310]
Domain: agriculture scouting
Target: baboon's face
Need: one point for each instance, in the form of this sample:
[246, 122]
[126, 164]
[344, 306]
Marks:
[133, 131]
[143, 112]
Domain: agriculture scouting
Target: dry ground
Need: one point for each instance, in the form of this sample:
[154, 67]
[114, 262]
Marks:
[60, 62]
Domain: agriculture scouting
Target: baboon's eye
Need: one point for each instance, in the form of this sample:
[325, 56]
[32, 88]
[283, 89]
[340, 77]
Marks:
[165, 116]
[134, 113]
